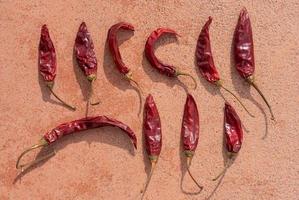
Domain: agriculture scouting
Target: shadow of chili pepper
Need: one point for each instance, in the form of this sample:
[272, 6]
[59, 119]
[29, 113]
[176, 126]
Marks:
[104, 135]
[46, 94]
[244, 89]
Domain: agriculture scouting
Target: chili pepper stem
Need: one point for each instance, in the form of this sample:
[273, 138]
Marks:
[59, 99]
[219, 84]
[189, 158]
[189, 75]
[227, 165]
[128, 76]
[90, 97]
[153, 166]
[250, 80]
[41, 143]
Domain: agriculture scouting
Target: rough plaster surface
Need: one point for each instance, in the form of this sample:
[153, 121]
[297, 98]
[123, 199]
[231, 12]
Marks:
[100, 164]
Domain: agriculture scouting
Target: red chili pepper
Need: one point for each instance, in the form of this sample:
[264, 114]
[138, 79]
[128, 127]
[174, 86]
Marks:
[47, 62]
[85, 56]
[152, 134]
[190, 132]
[205, 61]
[233, 134]
[76, 126]
[244, 52]
[114, 49]
[168, 70]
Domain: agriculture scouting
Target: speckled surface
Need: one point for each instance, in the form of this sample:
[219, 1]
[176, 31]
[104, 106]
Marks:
[100, 164]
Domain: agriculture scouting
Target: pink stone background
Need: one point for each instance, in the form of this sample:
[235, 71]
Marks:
[100, 163]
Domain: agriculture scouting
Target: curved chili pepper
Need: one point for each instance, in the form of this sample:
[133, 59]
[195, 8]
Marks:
[233, 134]
[168, 70]
[205, 61]
[47, 62]
[85, 56]
[190, 132]
[76, 126]
[114, 49]
[152, 134]
[244, 53]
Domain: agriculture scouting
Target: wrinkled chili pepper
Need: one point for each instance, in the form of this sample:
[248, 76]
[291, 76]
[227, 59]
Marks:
[205, 61]
[244, 52]
[47, 62]
[190, 132]
[73, 127]
[168, 70]
[152, 134]
[86, 57]
[233, 135]
[114, 50]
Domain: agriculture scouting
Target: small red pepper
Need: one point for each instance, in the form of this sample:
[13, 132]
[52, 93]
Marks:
[168, 70]
[47, 62]
[114, 49]
[85, 56]
[244, 52]
[73, 127]
[152, 134]
[190, 132]
[205, 61]
[233, 135]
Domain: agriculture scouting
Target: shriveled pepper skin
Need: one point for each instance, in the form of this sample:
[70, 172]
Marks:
[232, 129]
[166, 69]
[84, 52]
[47, 56]
[113, 45]
[204, 57]
[243, 46]
[190, 125]
[152, 128]
[85, 124]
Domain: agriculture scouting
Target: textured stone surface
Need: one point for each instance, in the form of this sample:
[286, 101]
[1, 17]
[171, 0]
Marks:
[99, 164]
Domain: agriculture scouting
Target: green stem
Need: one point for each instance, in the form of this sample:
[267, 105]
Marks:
[153, 166]
[186, 74]
[264, 98]
[59, 99]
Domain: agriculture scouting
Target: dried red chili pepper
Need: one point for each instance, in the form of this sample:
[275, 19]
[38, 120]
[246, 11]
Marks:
[190, 132]
[85, 56]
[233, 134]
[76, 126]
[168, 70]
[244, 52]
[152, 134]
[114, 49]
[47, 62]
[205, 61]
